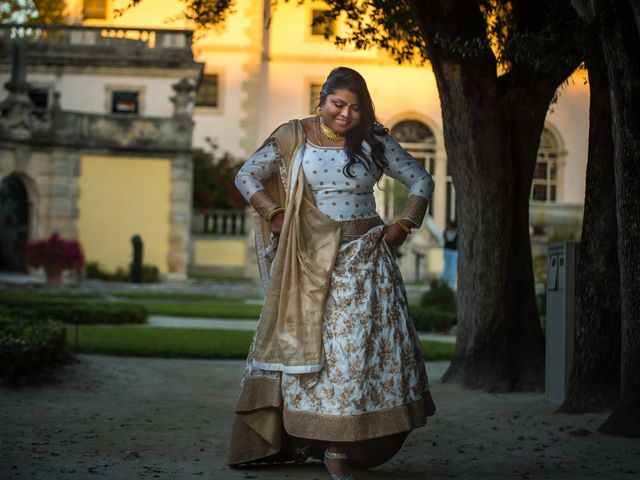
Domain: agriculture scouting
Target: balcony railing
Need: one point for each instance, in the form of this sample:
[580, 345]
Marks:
[219, 222]
[59, 40]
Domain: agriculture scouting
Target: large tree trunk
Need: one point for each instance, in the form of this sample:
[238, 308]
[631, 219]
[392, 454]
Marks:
[620, 40]
[474, 129]
[505, 351]
[594, 384]
[526, 103]
[492, 129]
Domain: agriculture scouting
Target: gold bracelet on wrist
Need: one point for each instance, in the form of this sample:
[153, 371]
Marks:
[406, 229]
[273, 213]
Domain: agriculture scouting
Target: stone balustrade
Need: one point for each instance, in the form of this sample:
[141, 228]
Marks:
[216, 221]
[66, 43]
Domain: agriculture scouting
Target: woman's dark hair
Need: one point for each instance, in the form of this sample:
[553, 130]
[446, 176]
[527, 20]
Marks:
[367, 127]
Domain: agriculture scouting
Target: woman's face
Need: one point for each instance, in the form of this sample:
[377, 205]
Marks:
[341, 111]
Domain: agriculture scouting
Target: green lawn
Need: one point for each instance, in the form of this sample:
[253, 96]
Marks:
[178, 297]
[219, 278]
[209, 310]
[188, 342]
[9, 297]
[171, 305]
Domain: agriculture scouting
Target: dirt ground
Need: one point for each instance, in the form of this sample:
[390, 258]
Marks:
[133, 418]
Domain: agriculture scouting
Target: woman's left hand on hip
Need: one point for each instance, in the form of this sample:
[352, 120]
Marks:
[394, 235]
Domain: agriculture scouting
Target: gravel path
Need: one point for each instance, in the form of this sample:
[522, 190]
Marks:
[133, 418]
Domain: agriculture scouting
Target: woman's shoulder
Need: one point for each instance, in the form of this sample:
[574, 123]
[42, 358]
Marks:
[380, 130]
[381, 133]
[287, 129]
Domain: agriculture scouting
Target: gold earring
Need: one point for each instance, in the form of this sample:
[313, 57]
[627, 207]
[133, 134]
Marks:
[318, 110]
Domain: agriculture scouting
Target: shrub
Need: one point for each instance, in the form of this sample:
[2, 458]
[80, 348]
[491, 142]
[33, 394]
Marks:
[150, 273]
[432, 319]
[30, 349]
[213, 180]
[71, 311]
[440, 295]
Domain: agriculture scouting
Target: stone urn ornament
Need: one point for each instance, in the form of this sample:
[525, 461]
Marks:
[55, 255]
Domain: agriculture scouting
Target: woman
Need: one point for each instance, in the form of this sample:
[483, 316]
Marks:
[335, 365]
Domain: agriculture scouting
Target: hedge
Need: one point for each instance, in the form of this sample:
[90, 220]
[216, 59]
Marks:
[432, 319]
[440, 295]
[74, 311]
[150, 273]
[30, 349]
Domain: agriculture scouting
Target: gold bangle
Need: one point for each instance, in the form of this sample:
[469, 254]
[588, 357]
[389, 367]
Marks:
[406, 229]
[274, 212]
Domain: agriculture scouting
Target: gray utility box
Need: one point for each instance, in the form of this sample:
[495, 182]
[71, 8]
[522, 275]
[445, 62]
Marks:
[561, 283]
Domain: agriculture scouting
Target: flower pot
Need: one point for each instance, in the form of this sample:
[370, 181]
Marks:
[54, 276]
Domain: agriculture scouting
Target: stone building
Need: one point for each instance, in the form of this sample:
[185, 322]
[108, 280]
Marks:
[97, 175]
[264, 66]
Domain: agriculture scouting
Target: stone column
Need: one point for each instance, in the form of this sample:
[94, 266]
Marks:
[57, 176]
[180, 226]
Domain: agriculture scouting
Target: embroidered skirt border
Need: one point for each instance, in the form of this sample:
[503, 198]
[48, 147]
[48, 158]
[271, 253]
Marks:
[353, 428]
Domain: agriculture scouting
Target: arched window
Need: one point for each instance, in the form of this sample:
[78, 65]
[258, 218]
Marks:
[545, 176]
[418, 139]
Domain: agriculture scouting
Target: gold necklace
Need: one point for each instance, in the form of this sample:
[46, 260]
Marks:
[331, 134]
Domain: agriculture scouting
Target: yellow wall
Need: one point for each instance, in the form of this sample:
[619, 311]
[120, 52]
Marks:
[168, 14]
[121, 197]
[219, 253]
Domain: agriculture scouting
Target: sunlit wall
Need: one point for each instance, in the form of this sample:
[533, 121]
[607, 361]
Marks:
[121, 197]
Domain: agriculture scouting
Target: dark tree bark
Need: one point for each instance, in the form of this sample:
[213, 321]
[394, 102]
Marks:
[492, 127]
[617, 25]
[621, 41]
[594, 384]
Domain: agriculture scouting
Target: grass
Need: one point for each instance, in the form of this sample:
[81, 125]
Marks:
[162, 342]
[188, 342]
[208, 310]
[181, 297]
[9, 296]
[219, 278]
[175, 306]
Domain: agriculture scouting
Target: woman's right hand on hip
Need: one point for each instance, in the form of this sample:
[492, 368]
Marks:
[276, 224]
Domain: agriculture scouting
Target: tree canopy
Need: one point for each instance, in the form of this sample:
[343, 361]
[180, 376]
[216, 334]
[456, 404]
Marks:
[33, 11]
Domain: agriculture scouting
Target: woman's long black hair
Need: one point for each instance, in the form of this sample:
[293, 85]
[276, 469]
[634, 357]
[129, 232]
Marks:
[367, 127]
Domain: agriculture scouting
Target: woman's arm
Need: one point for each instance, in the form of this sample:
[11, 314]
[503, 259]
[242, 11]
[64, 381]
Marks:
[403, 167]
[250, 183]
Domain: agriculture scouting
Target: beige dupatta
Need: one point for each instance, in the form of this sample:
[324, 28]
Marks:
[289, 336]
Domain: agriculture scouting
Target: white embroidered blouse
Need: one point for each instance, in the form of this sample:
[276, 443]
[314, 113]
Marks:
[340, 197]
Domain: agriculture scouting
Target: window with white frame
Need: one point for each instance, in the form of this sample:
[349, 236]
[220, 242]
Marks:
[544, 187]
[208, 93]
[450, 197]
[125, 102]
[314, 96]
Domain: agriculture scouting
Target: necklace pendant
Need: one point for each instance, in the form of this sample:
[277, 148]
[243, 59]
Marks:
[331, 134]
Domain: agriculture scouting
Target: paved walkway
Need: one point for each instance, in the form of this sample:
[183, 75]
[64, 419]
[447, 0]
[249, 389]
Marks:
[233, 324]
[169, 419]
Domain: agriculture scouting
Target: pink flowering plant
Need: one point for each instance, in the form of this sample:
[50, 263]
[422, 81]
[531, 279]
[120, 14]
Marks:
[55, 254]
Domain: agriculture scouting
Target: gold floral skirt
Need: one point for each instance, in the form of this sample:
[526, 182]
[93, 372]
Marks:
[373, 384]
